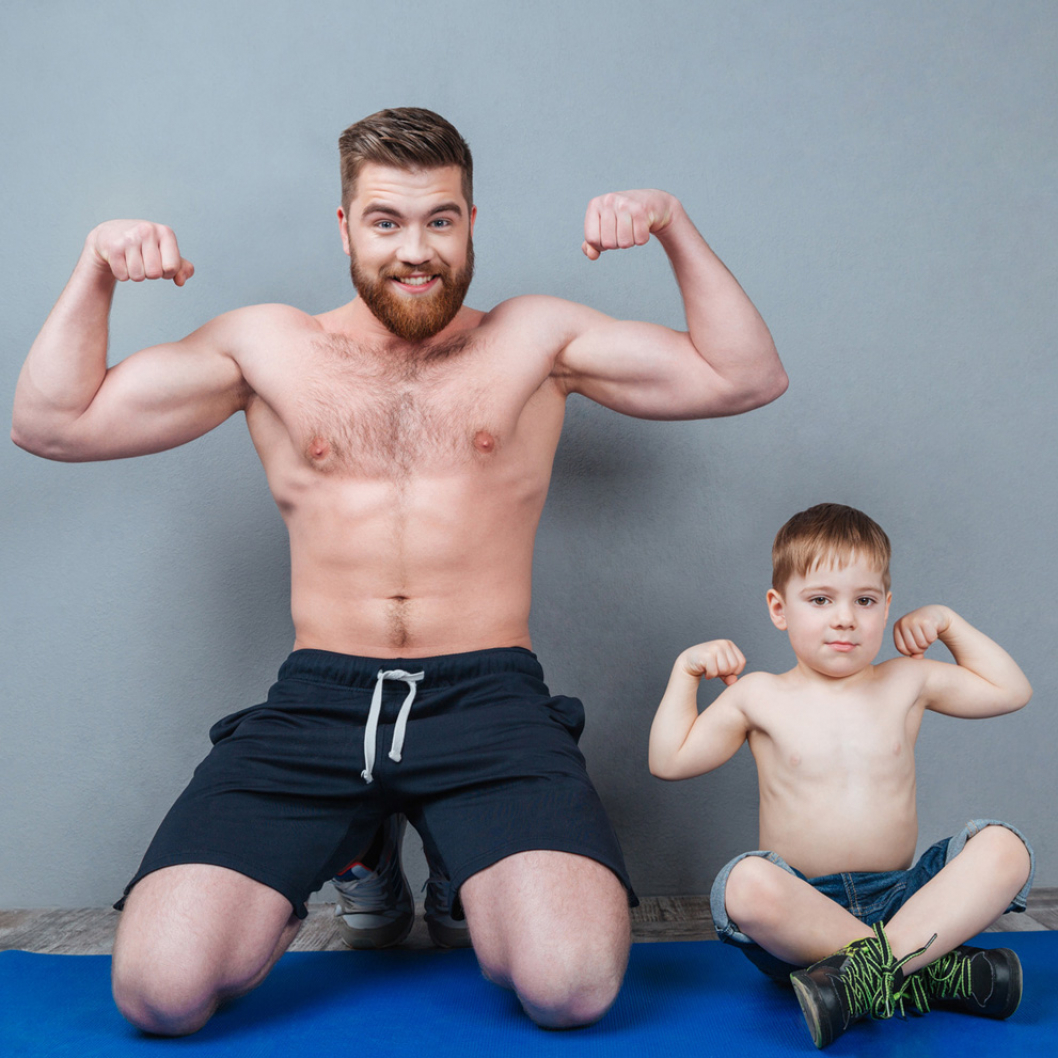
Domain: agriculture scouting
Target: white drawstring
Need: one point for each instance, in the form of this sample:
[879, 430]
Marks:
[371, 731]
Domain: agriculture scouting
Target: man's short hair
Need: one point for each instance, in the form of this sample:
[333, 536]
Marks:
[827, 533]
[405, 138]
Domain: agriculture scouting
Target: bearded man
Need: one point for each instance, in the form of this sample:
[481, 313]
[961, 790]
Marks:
[408, 441]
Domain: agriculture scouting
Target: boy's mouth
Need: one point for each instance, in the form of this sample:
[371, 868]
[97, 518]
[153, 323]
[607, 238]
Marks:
[841, 645]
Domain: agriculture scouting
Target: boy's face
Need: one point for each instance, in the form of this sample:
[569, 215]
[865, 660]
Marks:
[835, 617]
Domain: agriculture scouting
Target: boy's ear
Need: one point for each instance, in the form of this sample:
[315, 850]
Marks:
[777, 609]
[888, 600]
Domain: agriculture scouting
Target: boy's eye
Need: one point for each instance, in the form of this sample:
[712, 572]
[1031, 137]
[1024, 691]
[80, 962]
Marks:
[865, 600]
[818, 600]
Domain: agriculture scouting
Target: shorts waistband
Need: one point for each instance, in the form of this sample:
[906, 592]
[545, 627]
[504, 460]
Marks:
[351, 670]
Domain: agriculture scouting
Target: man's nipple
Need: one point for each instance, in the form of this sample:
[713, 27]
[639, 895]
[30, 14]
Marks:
[319, 449]
[484, 441]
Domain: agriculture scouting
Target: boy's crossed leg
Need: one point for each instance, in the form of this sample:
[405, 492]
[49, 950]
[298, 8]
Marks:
[857, 970]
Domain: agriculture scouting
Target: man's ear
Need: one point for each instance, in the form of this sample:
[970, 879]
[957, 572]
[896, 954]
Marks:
[776, 609]
[343, 227]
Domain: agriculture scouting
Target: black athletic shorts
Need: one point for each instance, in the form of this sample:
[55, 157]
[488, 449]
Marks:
[293, 790]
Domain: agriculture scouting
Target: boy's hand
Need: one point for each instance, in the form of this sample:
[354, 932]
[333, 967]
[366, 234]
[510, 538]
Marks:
[718, 657]
[915, 632]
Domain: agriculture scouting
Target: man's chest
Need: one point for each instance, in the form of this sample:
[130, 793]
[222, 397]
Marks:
[353, 411]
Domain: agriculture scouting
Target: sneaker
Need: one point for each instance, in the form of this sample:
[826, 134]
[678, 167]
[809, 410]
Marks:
[982, 981]
[445, 920]
[861, 980]
[375, 907]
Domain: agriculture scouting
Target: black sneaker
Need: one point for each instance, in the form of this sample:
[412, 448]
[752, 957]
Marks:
[982, 981]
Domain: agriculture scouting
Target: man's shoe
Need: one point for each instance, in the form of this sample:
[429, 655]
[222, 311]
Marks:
[445, 920]
[861, 980]
[375, 907]
[982, 981]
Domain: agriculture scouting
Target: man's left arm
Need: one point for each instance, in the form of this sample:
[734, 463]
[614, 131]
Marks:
[724, 364]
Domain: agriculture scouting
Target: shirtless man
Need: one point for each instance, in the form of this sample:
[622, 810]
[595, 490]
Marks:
[408, 442]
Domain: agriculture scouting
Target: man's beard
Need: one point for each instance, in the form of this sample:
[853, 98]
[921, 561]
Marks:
[409, 317]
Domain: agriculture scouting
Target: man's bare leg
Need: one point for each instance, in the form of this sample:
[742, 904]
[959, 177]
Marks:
[553, 927]
[191, 937]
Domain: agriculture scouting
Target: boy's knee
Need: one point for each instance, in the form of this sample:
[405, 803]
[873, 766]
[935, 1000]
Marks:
[754, 891]
[1009, 852]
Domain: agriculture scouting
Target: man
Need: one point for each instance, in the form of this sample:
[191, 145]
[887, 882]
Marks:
[408, 442]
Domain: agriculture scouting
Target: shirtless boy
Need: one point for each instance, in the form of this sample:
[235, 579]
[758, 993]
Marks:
[408, 442]
[833, 887]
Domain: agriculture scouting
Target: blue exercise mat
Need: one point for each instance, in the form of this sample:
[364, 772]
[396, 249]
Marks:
[679, 999]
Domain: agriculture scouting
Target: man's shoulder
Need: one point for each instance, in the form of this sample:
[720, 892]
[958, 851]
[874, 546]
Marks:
[545, 310]
[251, 319]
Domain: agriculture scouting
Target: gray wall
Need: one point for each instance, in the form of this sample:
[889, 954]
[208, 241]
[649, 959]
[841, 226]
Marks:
[880, 176]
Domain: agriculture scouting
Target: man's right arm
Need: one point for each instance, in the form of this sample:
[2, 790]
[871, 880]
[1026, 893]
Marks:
[70, 406]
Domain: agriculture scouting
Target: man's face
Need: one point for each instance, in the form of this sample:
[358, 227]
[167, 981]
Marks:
[835, 616]
[411, 255]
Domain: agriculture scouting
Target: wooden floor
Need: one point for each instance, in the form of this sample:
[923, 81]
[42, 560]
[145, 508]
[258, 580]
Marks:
[90, 931]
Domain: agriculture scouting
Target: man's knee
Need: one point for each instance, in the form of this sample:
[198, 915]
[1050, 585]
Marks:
[567, 989]
[162, 999]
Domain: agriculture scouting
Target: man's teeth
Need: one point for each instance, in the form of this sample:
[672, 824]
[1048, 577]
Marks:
[414, 281]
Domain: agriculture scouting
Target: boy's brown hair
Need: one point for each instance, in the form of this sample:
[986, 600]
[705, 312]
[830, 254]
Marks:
[405, 138]
[828, 532]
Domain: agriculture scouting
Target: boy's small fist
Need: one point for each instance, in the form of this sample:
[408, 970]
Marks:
[915, 632]
[717, 658]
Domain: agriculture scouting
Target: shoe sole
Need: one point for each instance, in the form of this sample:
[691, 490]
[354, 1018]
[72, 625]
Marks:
[377, 937]
[445, 936]
[808, 998]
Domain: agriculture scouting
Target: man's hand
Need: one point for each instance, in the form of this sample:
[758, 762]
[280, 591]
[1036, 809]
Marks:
[622, 219]
[138, 250]
[915, 632]
[717, 658]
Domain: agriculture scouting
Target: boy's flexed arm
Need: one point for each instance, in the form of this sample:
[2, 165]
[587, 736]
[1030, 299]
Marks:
[684, 742]
[725, 363]
[984, 681]
[69, 406]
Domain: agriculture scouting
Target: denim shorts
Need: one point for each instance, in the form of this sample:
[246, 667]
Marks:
[872, 896]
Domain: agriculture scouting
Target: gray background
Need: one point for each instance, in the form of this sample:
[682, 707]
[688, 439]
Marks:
[880, 177]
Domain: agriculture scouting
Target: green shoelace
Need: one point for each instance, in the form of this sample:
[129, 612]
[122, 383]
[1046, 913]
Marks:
[869, 977]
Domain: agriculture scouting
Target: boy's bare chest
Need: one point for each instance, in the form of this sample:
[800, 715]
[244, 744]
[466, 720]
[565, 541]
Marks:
[817, 737]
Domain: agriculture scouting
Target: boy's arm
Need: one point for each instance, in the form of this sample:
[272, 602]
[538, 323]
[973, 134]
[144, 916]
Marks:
[984, 681]
[682, 741]
[69, 406]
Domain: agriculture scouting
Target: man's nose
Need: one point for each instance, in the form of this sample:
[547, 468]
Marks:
[414, 248]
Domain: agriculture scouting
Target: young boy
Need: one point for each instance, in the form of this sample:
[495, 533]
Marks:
[833, 740]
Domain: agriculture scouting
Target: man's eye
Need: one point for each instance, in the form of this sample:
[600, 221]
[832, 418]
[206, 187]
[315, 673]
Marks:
[441, 222]
[385, 225]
